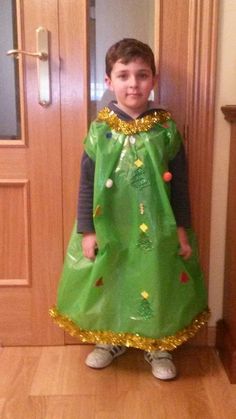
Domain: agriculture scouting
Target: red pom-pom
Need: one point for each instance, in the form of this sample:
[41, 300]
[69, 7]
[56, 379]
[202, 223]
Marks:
[167, 176]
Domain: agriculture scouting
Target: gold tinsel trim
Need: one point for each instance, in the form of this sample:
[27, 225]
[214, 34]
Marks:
[135, 126]
[128, 339]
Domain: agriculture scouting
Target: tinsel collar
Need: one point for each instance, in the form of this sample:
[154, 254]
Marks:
[134, 126]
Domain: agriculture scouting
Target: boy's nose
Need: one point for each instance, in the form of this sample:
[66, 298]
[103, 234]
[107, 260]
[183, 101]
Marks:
[133, 81]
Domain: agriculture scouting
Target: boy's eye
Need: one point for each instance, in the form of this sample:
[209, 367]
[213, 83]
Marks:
[122, 76]
[143, 76]
[139, 76]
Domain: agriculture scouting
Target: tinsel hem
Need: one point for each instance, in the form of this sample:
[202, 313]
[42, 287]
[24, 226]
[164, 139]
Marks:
[135, 126]
[167, 343]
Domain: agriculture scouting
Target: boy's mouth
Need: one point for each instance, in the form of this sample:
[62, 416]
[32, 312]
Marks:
[134, 94]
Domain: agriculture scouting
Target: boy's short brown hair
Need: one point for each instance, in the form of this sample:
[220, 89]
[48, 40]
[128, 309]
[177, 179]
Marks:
[127, 50]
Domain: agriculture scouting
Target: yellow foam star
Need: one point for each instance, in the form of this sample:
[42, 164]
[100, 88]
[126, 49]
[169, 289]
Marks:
[143, 227]
[138, 163]
[145, 295]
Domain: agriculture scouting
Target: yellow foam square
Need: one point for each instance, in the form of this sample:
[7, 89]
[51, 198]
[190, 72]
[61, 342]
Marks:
[138, 163]
[143, 227]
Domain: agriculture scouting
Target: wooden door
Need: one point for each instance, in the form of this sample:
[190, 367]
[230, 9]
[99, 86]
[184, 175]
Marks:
[38, 176]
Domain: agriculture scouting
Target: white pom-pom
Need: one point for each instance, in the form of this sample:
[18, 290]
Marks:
[109, 183]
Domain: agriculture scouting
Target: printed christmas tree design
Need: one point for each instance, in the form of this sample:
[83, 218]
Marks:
[145, 311]
[139, 179]
[144, 242]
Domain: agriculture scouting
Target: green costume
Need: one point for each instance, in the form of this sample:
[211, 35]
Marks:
[139, 291]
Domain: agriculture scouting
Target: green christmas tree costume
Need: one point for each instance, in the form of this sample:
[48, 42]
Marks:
[139, 291]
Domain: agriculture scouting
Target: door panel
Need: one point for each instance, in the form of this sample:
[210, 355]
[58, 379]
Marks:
[31, 200]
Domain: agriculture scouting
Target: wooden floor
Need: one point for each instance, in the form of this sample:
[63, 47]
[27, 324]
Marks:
[54, 383]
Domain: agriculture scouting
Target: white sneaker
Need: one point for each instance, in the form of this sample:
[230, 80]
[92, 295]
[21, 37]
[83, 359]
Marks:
[103, 355]
[162, 365]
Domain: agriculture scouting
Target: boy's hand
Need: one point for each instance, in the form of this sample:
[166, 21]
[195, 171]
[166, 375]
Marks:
[89, 244]
[185, 248]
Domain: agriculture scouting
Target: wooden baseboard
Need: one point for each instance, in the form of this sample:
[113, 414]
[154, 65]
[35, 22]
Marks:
[227, 350]
[205, 337]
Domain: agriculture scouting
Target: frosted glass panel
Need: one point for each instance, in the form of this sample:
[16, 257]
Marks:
[111, 21]
[9, 73]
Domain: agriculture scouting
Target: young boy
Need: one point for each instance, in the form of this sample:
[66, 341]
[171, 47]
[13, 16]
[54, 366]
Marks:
[131, 277]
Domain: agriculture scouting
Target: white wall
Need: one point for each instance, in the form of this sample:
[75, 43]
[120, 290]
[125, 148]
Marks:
[225, 95]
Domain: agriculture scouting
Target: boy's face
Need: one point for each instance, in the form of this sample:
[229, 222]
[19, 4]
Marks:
[132, 84]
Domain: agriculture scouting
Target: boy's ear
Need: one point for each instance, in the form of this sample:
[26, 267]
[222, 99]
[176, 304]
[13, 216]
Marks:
[108, 82]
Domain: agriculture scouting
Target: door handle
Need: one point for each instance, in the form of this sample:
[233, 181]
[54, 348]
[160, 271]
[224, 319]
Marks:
[17, 52]
[43, 64]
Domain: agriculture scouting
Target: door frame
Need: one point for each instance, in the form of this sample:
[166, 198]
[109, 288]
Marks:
[195, 77]
[200, 114]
